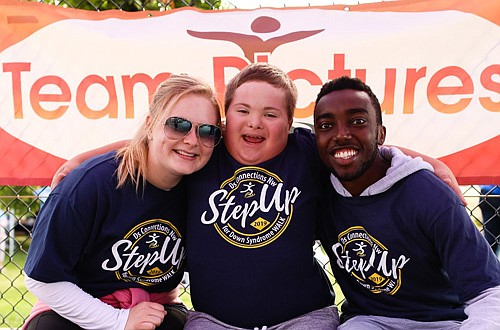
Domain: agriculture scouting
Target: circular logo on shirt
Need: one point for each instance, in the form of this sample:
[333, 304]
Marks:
[149, 254]
[368, 261]
[252, 208]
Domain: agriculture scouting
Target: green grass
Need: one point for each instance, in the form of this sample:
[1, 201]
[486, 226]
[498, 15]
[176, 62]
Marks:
[15, 300]
[339, 296]
[186, 297]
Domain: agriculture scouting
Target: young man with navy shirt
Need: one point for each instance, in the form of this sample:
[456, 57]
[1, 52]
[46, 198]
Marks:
[400, 242]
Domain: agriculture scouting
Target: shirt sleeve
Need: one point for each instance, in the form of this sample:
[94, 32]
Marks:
[61, 235]
[468, 259]
[67, 299]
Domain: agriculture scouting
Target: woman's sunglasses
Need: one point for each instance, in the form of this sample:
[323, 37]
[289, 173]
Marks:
[177, 128]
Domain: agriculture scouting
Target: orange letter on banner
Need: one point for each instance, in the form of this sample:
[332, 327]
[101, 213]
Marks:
[128, 88]
[360, 74]
[111, 109]
[220, 63]
[433, 89]
[36, 97]
[314, 80]
[387, 104]
[491, 85]
[339, 69]
[16, 69]
[412, 76]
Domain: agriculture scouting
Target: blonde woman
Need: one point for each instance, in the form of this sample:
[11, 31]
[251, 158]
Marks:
[109, 244]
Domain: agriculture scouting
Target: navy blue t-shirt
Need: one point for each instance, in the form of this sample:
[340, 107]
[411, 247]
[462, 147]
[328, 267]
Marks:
[104, 239]
[409, 252]
[250, 236]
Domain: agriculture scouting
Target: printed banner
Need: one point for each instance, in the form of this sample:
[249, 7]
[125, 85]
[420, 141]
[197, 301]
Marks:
[73, 80]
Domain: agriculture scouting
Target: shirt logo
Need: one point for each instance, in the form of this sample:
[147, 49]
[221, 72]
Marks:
[369, 261]
[150, 254]
[252, 208]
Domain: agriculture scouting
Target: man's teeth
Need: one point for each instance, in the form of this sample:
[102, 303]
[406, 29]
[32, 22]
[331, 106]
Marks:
[345, 154]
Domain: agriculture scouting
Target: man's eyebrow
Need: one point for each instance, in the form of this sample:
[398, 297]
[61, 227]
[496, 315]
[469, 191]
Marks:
[350, 111]
[324, 115]
[247, 105]
[357, 110]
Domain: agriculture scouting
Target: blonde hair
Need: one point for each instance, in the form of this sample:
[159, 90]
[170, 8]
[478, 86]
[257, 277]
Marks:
[270, 74]
[134, 156]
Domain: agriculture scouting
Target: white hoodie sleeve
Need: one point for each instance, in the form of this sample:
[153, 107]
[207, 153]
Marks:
[74, 304]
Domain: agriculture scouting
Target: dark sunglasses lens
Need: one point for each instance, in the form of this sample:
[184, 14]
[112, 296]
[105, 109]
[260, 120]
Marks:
[177, 127]
[209, 134]
[178, 124]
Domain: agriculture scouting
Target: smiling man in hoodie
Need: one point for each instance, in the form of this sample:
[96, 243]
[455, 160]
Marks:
[401, 244]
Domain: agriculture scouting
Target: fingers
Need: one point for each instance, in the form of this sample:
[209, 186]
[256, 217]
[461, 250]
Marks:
[57, 178]
[64, 169]
[145, 316]
[458, 191]
[456, 188]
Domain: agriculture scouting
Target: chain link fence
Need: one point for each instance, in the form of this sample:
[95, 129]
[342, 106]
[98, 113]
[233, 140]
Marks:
[19, 205]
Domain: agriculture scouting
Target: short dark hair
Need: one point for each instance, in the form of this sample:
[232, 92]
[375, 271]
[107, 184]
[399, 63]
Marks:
[346, 82]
